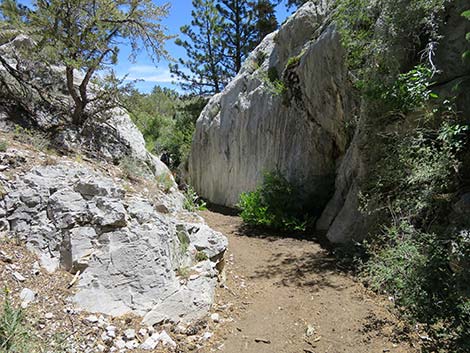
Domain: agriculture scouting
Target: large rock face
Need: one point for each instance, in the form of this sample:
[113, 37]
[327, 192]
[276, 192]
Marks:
[341, 220]
[289, 110]
[258, 124]
[127, 253]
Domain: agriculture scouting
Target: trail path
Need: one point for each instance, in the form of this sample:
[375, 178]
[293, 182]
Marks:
[278, 288]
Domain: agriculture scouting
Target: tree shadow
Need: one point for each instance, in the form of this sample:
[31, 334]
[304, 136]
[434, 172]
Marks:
[314, 269]
[314, 265]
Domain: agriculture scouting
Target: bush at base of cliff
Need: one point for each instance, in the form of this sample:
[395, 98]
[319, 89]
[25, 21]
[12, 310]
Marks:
[275, 204]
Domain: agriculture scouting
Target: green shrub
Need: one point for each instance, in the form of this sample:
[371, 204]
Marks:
[419, 259]
[165, 182]
[192, 202]
[410, 91]
[183, 272]
[13, 335]
[466, 54]
[294, 61]
[427, 276]
[166, 119]
[201, 256]
[273, 83]
[35, 138]
[3, 146]
[275, 204]
[133, 168]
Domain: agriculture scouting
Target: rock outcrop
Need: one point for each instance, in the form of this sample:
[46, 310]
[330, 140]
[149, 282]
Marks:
[132, 251]
[292, 109]
[127, 253]
[341, 220]
[287, 110]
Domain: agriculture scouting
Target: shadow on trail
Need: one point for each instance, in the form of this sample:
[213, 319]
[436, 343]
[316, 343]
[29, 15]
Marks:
[314, 269]
[304, 260]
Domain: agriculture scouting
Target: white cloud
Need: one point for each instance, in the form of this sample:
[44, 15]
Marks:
[149, 73]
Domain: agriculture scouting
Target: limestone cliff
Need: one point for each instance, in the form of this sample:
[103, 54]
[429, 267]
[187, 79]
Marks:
[293, 109]
[287, 110]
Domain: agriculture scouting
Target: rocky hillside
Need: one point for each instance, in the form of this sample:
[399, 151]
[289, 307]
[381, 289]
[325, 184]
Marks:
[93, 202]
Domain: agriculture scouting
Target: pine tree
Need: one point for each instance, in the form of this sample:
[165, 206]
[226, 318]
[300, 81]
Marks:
[84, 37]
[295, 3]
[203, 72]
[239, 34]
[266, 21]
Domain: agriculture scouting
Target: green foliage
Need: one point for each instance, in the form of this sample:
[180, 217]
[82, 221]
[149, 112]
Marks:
[415, 145]
[417, 167]
[13, 334]
[3, 146]
[293, 61]
[422, 265]
[410, 91]
[165, 182]
[466, 54]
[377, 48]
[220, 37]
[183, 239]
[35, 138]
[193, 202]
[133, 168]
[166, 119]
[84, 37]
[203, 72]
[272, 81]
[178, 138]
[201, 256]
[266, 22]
[275, 204]
[183, 272]
[427, 275]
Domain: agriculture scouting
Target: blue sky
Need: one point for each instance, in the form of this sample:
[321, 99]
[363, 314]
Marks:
[143, 69]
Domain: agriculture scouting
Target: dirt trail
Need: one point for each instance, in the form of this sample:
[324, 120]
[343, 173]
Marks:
[279, 287]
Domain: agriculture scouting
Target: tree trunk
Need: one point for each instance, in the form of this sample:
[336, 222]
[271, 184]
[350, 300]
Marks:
[77, 115]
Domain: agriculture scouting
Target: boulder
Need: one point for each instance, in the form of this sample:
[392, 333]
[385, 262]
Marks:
[287, 110]
[127, 253]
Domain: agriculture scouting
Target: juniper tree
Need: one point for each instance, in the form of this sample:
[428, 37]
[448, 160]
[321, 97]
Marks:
[203, 71]
[84, 35]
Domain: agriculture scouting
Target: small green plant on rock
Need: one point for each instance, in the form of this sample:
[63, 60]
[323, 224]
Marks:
[165, 181]
[133, 168]
[294, 60]
[201, 256]
[272, 81]
[35, 138]
[183, 272]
